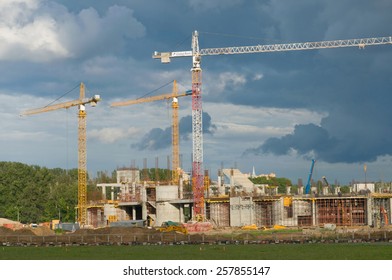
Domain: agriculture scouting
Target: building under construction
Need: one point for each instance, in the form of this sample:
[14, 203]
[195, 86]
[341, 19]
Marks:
[234, 201]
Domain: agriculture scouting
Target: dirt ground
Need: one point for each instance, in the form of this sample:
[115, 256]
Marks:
[135, 235]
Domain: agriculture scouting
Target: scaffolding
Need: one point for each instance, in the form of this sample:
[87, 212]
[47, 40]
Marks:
[218, 212]
[344, 211]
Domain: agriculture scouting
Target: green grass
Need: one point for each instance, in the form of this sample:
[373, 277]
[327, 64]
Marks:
[335, 251]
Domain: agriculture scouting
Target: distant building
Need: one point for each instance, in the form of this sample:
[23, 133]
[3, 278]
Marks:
[364, 187]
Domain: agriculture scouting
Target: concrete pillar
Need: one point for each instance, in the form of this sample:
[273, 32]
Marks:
[325, 190]
[133, 213]
[181, 188]
[104, 192]
[288, 189]
[369, 210]
[337, 190]
[231, 178]
[301, 190]
[281, 206]
[314, 223]
[112, 193]
[390, 210]
[143, 197]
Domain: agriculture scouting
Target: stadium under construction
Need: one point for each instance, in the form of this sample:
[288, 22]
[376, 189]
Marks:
[234, 201]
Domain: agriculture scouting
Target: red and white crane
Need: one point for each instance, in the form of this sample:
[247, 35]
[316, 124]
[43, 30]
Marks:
[196, 53]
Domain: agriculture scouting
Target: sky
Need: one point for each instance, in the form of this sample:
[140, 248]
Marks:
[271, 111]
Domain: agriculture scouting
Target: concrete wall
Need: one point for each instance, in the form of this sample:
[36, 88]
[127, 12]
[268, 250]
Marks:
[166, 193]
[242, 211]
[168, 212]
[128, 176]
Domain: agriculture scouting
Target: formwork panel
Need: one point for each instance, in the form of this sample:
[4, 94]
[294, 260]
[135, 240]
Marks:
[219, 213]
[264, 213]
[341, 211]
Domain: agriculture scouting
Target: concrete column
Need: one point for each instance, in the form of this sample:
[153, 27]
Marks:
[337, 190]
[133, 212]
[301, 190]
[314, 213]
[143, 196]
[112, 193]
[390, 210]
[281, 206]
[104, 192]
[181, 188]
[325, 190]
[369, 210]
[288, 189]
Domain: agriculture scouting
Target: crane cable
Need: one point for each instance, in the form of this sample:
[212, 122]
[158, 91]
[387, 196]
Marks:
[63, 95]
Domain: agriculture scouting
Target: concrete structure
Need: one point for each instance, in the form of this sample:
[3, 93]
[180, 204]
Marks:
[242, 211]
[364, 187]
[235, 202]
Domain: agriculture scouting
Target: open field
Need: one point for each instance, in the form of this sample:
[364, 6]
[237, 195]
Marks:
[312, 251]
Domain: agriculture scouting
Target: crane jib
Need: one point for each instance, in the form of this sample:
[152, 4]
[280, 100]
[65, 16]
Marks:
[361, 43]
[298, 46]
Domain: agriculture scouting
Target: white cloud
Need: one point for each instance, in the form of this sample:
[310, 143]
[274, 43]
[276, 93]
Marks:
[112, 134]
[26, 34]
[258, 76]
[41, 30]
[228, 79]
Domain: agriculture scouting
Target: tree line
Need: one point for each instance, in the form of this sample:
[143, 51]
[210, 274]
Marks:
[32, 194]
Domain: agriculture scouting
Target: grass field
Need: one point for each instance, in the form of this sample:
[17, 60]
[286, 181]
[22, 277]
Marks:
[314, 251]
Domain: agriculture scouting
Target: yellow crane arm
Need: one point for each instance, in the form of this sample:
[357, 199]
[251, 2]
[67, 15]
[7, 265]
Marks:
[150, 99]
[64, 105]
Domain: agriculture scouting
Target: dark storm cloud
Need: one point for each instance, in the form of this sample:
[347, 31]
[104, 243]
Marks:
[158, 138]
[351, 85]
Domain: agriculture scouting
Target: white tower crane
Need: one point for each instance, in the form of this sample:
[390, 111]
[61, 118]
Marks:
[196, 54]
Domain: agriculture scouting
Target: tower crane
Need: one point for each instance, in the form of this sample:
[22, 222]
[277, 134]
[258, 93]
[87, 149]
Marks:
[196, 53]
[82, 170]
[174, 95]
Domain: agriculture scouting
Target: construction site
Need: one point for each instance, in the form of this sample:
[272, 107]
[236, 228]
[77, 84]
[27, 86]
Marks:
[192, 202]
[234, 201]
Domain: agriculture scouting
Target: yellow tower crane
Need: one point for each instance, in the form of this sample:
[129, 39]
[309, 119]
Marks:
[82, 170]
[175, 130]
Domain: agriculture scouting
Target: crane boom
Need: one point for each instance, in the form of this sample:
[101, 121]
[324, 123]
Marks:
[196, 53]
[64, 105]
[361, 43]
[308, 184]
[149, 99]
[175, 130]
[82, 170]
